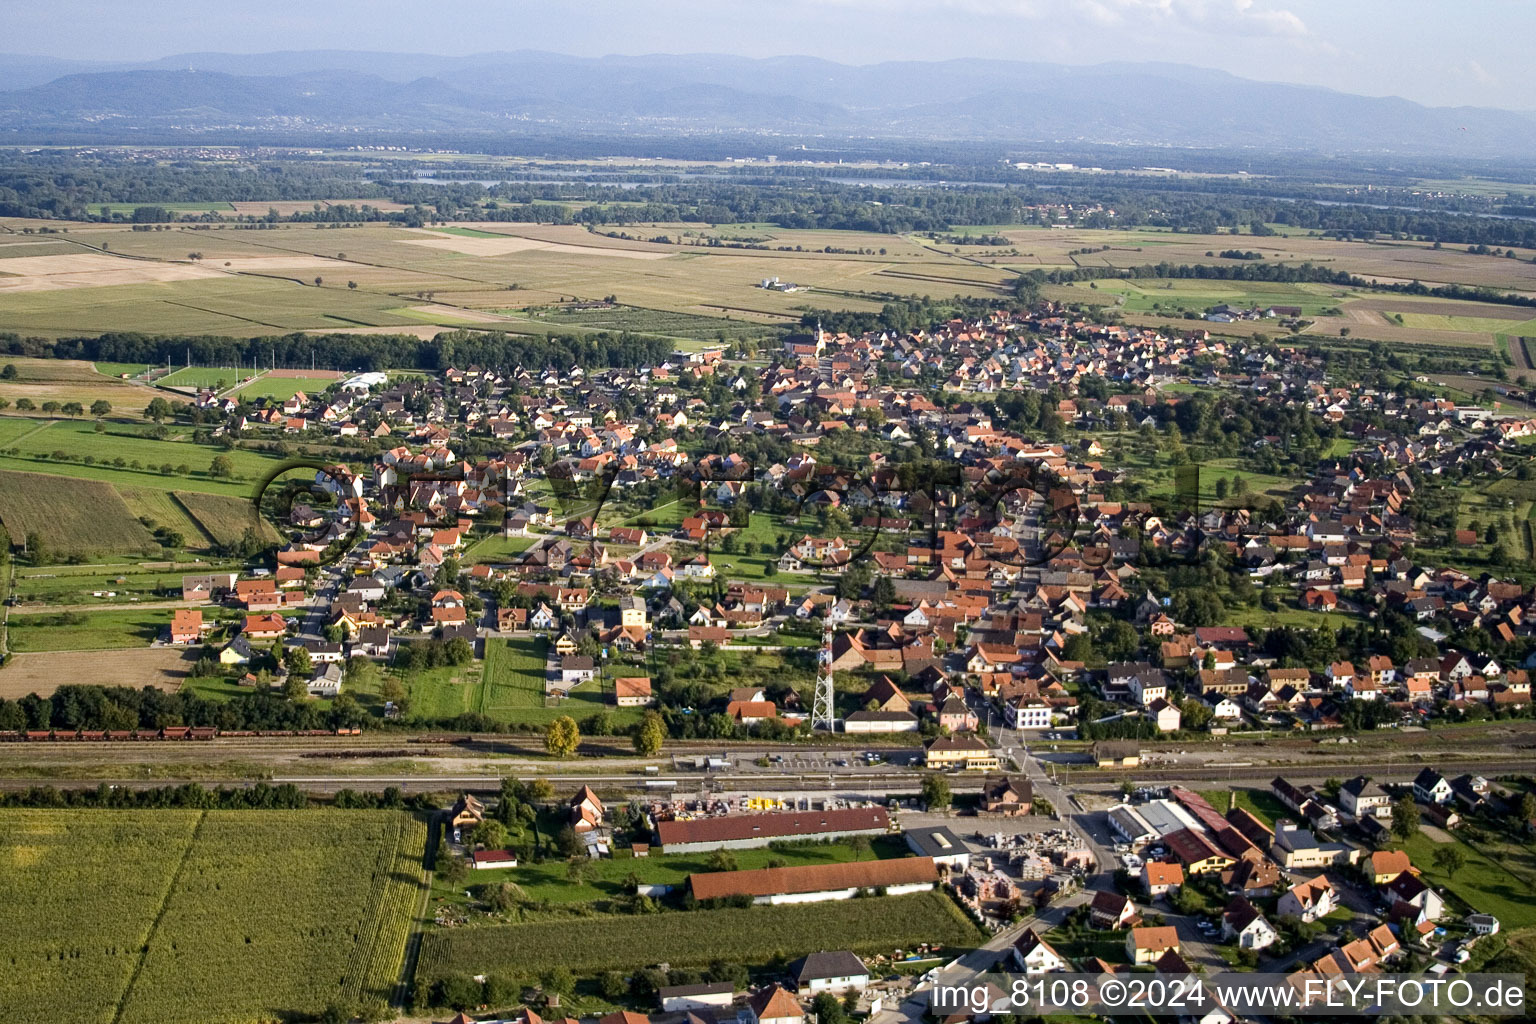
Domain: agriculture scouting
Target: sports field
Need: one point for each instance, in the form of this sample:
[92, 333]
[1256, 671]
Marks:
[202, 917]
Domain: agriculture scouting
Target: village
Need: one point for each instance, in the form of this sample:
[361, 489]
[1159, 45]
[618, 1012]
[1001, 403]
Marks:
[1033, 591]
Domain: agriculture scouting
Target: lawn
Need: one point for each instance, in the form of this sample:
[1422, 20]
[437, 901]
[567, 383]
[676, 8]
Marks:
[514, 674]
[202, 917]
[496, 548]
[1488, 883]
[59, 584]
[1258, 802]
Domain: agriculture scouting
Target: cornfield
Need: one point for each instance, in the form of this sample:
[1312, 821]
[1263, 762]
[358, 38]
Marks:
[749, 935]
[216, 917]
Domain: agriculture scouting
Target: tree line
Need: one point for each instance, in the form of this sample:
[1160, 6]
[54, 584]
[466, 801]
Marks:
[354, 352]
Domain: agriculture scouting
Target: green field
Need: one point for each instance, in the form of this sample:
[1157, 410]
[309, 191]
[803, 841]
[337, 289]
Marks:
[1258, 802]
[117, 369]
[1498, 883]
[75, 584]
[1490, 325]
[201, 917]
[71, 517]
[1159, 295]
[752, 935]
[514, 674]
[86, 631]
[39, 449]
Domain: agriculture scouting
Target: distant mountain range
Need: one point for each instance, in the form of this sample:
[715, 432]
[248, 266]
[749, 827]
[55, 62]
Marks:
[1009, 102]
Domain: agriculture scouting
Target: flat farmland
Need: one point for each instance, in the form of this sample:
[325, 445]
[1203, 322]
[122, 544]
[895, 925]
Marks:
[136, 903]
[73, 517]
[165, 668]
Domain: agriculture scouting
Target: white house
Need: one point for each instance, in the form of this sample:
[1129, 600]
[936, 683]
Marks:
[1432, 788]
[1033, 955]
[1309, 900]
[1243, 922]
[837, 973]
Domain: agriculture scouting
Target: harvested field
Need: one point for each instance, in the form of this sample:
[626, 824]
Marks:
[91, 270]
[256, 264]
[71, 516]
[511, 243]
[137, 667]
[1442, 307]
[474, 316]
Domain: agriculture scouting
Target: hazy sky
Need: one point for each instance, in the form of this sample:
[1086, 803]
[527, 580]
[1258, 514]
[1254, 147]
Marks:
[1439, 52]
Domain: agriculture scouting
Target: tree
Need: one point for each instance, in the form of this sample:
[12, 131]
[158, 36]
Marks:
[222, 467]
[721, 860]
[1405, 818]
[936, 793]
[1450, 858]
[157, 409]
[490, 834]
[25, 405]
[1528, 807]
[9, 373]
[828, 1009]
[650, 734]
[562, 737]
[101, 407]
[295, 687]
[297, 661]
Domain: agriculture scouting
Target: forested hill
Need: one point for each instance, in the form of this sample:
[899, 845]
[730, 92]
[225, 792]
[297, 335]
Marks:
[1001, 101]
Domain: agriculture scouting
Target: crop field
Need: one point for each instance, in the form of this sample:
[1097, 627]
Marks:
[639, 321]
[125, 915]
[71, 516]
[514, 674]
[163, 509]
[225, 518]
[165, 668]
[252, 283]
[694, 938]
